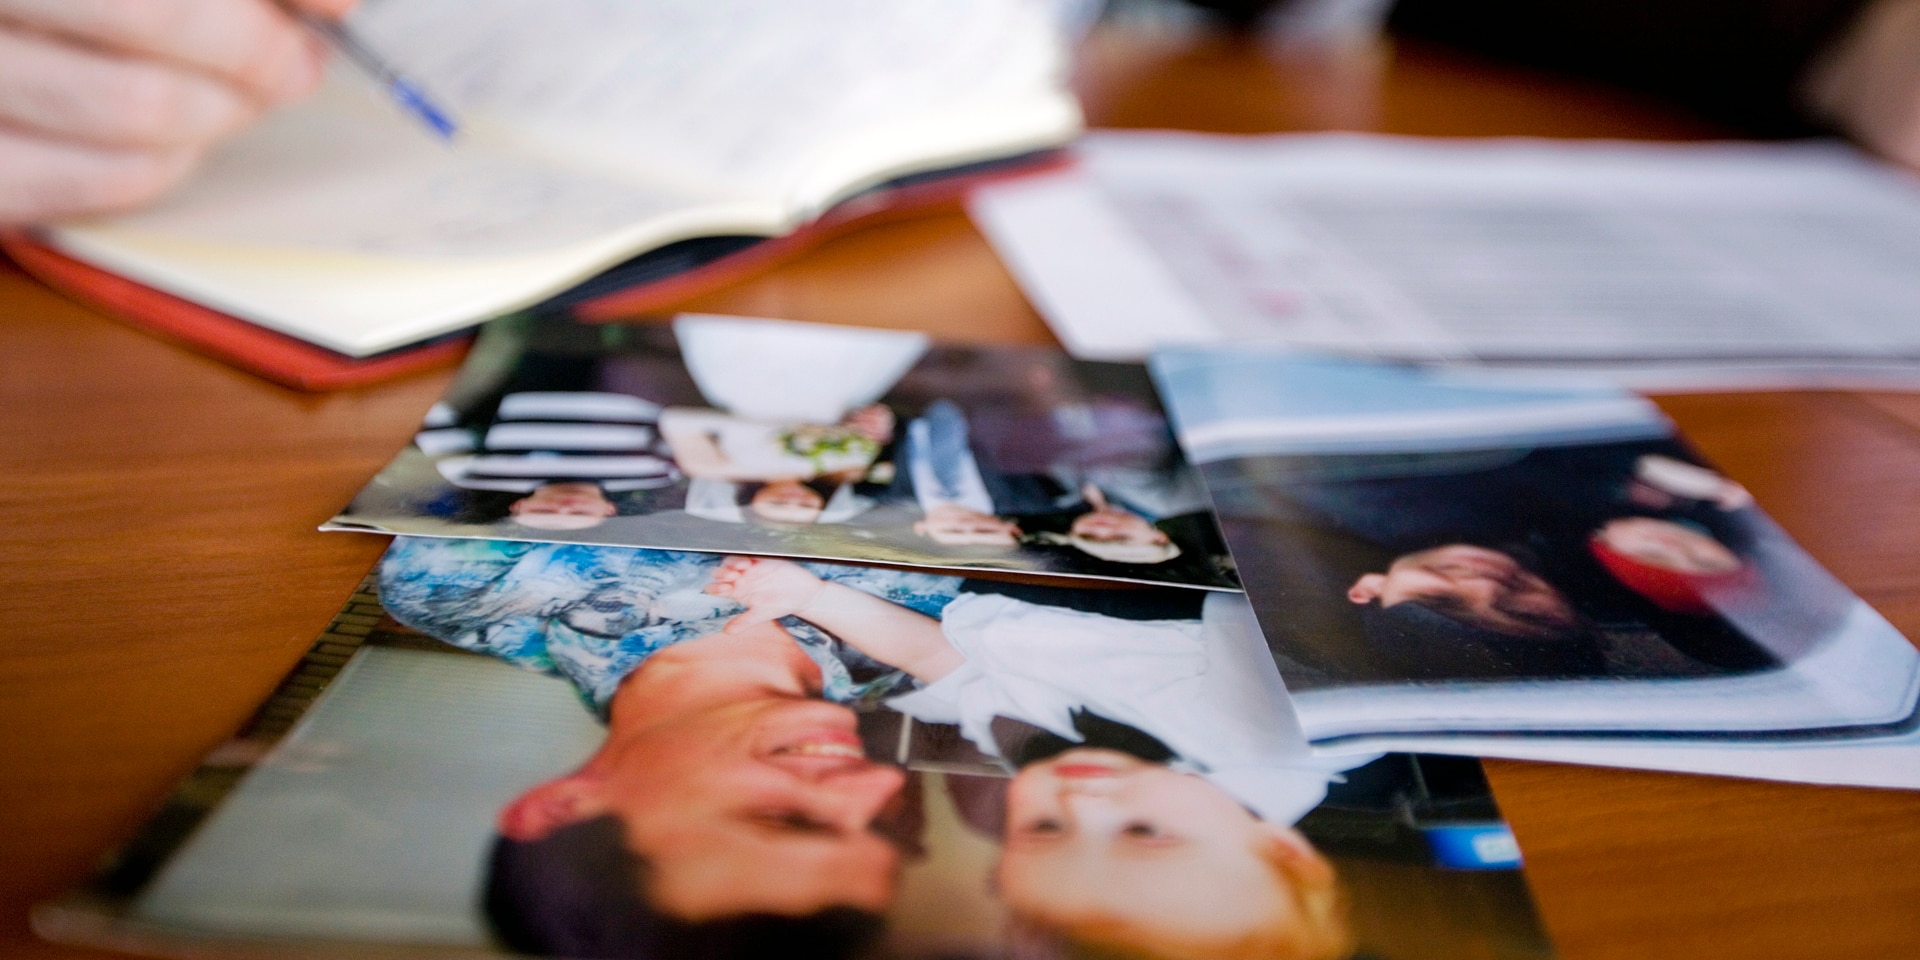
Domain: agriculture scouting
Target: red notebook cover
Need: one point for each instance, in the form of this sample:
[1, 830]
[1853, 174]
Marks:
[277, 357]
[933, 193]
[296, 363]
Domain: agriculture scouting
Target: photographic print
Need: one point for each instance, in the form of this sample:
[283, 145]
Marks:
[785, 760]
[728, 434]
[1438, 551]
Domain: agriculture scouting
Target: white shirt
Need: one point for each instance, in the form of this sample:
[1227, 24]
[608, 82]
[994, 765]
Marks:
[1207, 689]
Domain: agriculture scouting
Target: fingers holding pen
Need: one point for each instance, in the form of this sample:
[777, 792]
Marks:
[60, 92]
[43, 179]
[106, 103]
[253, 46]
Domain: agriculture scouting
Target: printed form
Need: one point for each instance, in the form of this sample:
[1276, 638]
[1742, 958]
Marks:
[1745, 262]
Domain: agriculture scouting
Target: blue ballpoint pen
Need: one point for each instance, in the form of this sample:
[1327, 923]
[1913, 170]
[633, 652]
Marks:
[404, 92]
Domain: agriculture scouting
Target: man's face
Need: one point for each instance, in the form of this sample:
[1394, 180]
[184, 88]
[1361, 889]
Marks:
[1483, 587]
[744, 791]
[762, 805]
[563, 506]
[787, 501]
[1095, 833]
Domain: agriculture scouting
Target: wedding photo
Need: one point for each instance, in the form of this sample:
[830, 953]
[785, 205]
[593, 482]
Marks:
[807, 441]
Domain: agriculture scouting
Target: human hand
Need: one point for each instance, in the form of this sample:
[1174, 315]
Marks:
[1868, 82]
[769, 589]
[874, 421]
[105, 104]
[955, 525]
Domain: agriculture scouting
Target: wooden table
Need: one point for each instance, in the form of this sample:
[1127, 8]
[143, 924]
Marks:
[157, 516]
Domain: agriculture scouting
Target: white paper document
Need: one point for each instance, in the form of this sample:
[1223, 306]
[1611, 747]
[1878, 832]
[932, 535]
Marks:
[1729, 264]
[1890, 762]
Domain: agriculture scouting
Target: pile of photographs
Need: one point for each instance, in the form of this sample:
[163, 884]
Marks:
[741, 638]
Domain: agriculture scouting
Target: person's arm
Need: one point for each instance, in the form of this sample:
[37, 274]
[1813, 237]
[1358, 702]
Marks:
[468, 593]
[106, 105]
[696, 450]
[1867, 83]
[894, 635]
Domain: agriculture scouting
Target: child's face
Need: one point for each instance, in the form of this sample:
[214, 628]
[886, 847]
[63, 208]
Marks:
[1096, 833]
[787, 501]
[563, 506]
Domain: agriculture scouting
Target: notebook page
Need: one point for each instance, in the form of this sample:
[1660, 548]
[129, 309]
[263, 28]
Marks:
[723, 95]
[582, 118]
[345, 174]
[592, 130]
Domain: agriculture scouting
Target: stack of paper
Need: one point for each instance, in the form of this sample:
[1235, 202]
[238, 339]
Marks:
[1662, 265]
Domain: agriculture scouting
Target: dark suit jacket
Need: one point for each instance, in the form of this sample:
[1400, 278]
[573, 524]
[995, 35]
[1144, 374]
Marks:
[1733, 61]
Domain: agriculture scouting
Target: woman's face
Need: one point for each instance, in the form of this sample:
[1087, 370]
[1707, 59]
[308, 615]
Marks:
[787, 501]
[1667, 546]
[1097, 833]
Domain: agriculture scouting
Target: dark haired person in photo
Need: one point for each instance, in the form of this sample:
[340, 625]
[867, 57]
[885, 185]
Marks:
[1150, 815]
[731, 810]
[744, 469]
[571, 456]
[1584, 561]
[730, 804]
[1109, 845]
[1129, 513]
[1460, 611]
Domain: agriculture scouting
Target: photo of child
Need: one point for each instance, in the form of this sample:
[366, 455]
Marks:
[1588, 561]
[1436, 551]
[800, 760]
[729, 434]
[1141, 728]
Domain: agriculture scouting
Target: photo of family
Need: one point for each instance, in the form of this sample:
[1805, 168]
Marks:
[1453, 552]
[729, 434]
[747, 757]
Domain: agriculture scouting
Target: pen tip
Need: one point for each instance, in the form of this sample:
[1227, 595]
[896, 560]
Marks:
[416, 103]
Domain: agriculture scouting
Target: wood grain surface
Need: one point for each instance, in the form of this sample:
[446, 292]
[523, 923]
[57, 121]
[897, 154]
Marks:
[157, 516]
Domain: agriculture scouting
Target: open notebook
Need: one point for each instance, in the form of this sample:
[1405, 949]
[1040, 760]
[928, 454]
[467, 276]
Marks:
[592, 131]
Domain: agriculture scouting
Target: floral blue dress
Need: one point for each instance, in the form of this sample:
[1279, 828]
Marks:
[593, 614]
